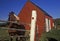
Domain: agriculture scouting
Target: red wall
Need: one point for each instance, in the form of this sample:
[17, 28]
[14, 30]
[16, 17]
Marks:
[25, 16]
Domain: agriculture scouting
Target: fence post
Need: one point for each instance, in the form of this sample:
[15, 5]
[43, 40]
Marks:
[33, 25]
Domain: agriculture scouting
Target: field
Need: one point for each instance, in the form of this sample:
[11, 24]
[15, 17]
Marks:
[4, 34]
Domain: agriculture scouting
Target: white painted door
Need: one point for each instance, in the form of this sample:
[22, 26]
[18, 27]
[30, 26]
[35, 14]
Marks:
[47, 24]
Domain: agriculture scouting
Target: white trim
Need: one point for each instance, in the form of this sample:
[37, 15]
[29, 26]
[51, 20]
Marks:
[47, 26]
[33, 24]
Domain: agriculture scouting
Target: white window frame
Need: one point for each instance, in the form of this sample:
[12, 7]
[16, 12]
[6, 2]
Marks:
[48, 24]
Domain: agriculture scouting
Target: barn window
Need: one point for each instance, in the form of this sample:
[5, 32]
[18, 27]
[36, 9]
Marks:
[48, 24]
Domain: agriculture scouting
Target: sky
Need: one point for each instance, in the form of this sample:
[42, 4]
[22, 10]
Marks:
[52, 7]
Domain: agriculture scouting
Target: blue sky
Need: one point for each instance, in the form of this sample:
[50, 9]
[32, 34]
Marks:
[52, 7]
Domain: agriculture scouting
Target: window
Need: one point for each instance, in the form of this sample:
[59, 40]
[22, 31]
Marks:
[48, 26]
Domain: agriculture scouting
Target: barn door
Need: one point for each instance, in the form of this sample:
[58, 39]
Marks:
[48, 27]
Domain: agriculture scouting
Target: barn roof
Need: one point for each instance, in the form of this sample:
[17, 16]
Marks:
[40, 8]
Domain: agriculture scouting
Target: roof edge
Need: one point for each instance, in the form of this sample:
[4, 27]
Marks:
[41, 9]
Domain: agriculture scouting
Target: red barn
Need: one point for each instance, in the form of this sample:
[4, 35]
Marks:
[44, 20]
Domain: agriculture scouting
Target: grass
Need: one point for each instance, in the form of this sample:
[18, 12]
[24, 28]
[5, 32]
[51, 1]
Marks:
[51, 34]
[3, 34]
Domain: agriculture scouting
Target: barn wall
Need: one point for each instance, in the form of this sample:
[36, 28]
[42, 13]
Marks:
[25, 16]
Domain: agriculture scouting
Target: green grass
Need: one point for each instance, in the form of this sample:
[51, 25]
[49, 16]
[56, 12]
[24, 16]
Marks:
[51, 34]
[3, 34]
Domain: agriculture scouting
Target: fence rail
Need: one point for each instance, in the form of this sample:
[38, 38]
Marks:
[15, 22]
[4, 35]
[13, 29]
